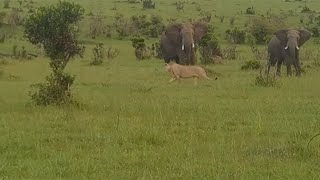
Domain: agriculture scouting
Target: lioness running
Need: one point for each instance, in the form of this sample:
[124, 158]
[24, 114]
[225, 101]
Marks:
[180, 71]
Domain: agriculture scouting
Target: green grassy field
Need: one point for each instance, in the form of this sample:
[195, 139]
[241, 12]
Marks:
[131, 124]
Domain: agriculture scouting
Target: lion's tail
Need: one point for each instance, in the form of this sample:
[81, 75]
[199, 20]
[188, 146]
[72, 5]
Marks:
[208, 71]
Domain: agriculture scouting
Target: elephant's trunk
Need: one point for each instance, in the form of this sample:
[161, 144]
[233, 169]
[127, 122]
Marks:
[292, 47]
[184, 45]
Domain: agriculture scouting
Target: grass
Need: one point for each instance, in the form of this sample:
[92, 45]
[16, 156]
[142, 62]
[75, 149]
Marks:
[131, 124]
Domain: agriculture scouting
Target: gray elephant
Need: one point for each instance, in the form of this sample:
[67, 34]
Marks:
[284, 46]
[178, 42]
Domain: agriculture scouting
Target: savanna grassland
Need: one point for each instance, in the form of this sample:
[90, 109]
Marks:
[129, 123]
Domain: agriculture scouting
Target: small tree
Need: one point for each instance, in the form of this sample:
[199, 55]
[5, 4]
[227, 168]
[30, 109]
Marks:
[209, 47]
[54, 28]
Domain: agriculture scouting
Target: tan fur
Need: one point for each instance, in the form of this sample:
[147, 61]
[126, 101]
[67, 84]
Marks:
[181, 72]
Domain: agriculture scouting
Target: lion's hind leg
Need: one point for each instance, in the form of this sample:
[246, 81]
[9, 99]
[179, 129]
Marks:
[172, 79]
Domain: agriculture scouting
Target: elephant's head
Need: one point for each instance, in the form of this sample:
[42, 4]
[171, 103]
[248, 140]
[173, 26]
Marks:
[293, 39]
[185, 36]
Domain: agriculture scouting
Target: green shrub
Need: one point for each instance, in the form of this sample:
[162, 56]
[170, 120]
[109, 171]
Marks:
[148, 4]
[98, 54]
[209, 46]
[236, 36]
[251, 65]
[250, 10]
[6, 4]
[262, 28]
[141, 50]
[54, 28]
[267, 81]
[55, 91]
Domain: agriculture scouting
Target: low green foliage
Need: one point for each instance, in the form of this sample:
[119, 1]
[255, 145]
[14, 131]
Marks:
[251, 65]
[209, 47]
[56, 91]
[267, 81]
[236, 35]
[99, 54]
[262, 28]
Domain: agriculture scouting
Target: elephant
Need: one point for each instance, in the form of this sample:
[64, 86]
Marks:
[178, 42]
[285, 46]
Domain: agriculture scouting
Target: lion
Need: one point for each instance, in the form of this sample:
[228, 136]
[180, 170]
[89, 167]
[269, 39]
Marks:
[182, 72]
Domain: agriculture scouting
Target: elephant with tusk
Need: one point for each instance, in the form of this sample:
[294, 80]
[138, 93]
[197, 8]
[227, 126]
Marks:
[179, 40]
[285, 46]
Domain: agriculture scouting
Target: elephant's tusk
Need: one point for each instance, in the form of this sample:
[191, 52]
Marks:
[182, 47]
[286, 47]
[297, 47]
[192, 45]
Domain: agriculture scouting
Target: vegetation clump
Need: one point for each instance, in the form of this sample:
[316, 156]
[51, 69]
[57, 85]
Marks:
[209, 47]
[54, 27]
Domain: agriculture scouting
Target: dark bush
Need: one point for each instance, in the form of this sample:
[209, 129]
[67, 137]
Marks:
[98, 54]
[209, 47]
[141, 51]
[236, 36]
[262, 29]
[251, 65]
[250, 10]
[121, 25]
[230, 52]
[148, 4]
[179, 5]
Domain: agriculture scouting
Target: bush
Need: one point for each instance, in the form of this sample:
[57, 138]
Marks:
[259, 53]
[156, 51]
[306, 9]
[179, 6]
[205, 16]
[148, 4]
[121, 25]
[265, 81]
[230, 52]
[236, 36]
[251, 65]
[150, 27]
[98, 54]
[112, 53]
[141, 51]
[2, 37]
[6, 4]
[2, 17]
[232, 20]
[55, 91]
[250, 10]
[54, 28]
[262, 29]
[97, 27]
[209, 46]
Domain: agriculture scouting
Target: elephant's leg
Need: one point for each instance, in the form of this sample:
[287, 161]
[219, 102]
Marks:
[289, 72]
[298, 68]
[279, 63]
[192, 58]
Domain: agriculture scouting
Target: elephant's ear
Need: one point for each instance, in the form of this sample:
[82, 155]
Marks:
[282, 36]
[200, 29]
[172, 32]
[304, 36]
